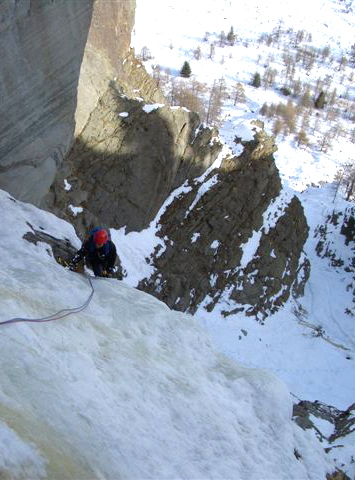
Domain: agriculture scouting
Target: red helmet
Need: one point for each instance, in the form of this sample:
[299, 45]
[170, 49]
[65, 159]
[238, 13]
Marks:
[100, 237]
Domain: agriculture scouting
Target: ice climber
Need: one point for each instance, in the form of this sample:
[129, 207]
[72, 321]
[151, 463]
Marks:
[99, 253]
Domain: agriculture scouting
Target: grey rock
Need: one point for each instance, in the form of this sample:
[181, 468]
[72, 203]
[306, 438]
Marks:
[342, 420]
[45, 45]
[42, 45]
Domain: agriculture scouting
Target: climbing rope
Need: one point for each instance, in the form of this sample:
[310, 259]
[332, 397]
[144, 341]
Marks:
[55, 316]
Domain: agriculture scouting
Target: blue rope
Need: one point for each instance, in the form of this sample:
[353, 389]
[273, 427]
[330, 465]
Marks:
[55, 316]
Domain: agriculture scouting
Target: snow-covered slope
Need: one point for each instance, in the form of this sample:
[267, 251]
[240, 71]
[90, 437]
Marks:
[127, 388]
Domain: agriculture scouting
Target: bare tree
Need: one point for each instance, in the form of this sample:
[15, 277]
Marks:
[145, 54]
[346, 179]
[197, 53]
[302, 139]
[305, 100]
[325, 142]
[269, 77]
[222, 39]
[239, 93]
[296, 86]
[290, 116]
[218, 93]
[212, 51]
[277, 127]
[157, 74]
[190, 94]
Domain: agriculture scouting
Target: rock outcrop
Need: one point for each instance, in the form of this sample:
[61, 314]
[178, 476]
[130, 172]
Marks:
[107, 54]
[43, 44]
[313, 415]
[127, 160]
[233, 239]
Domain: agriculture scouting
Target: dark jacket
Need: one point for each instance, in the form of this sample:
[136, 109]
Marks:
[105, 256]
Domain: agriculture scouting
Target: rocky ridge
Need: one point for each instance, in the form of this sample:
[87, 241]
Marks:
[207, 226]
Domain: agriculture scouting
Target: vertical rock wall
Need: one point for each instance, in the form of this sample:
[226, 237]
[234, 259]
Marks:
[45, 45]
[105, 54]
[42, 45]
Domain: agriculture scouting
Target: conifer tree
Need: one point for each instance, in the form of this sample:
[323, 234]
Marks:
[320, 102]
[256, 82]
[231, 37]
[186, 70]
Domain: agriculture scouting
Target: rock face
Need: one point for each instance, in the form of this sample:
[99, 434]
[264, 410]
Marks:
[106, 52]
[306, 414]
[127, 160]
[42, 46]
[237, 207]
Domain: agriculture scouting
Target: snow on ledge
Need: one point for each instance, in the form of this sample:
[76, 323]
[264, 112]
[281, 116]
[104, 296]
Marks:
[246, 130]
[153, 106]
[76, 210]
[67, 185]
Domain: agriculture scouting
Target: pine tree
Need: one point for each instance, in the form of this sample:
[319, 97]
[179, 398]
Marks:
[256, 82]
[264, 110]
[320, 102]
[231, 37]
[186, 70]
